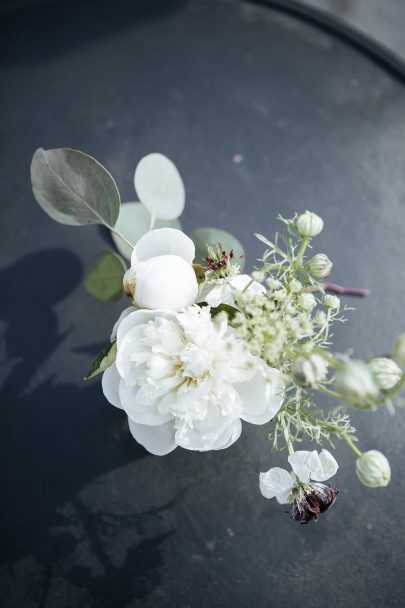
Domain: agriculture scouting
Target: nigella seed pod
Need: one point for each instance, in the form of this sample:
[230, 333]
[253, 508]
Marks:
[373, 469]
[386, 372]
[309, 224]
[312, 503]
[320, 266]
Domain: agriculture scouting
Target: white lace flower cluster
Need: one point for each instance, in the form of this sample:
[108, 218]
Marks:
[183, 377]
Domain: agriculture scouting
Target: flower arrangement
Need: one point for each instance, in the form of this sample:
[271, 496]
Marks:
[204, 347]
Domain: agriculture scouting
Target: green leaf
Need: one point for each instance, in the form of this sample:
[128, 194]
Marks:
[159, 186]
[210, 236]
[133, 222]
[103, 360]
[215, 310]
[104, 276]
[73, 188]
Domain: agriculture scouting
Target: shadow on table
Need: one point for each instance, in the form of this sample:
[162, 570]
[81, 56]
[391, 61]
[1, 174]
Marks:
[41, 30]
[55, 440]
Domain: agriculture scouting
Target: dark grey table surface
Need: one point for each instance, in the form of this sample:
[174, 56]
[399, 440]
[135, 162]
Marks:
[88, 518]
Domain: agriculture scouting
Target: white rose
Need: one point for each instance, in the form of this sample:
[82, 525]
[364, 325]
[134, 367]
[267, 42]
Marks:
[185, 379]
[221, 291]
[161, 274]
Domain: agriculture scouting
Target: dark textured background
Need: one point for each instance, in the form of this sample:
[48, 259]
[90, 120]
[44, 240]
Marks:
[89, 518]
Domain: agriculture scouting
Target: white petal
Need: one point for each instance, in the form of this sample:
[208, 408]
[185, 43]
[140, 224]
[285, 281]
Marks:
[306, 465]
[122, 316]
[165, 281]
[158, 440]
[329, 466]
[276, 482]
[240, 281]
[138, 411]
[110, 385]
[262, 396]
[159, 186]
[229, 437]
[209, 434]
[138, 317]
[163, 241]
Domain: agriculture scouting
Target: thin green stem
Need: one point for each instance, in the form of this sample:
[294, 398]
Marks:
[122, 237]
[351, 445]
[328, 392]
[301, 251]
[286, 436]
[247, 286]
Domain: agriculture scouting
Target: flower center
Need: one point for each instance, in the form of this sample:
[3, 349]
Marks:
[196, 362]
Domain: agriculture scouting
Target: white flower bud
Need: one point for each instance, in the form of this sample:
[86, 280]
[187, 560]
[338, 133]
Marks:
[307, 301]
[274, 283]
[373, 469]
[355, 383]
[309, 224]
[164, 282]
[295, 286]
[320, 266]
[279, 295]
[332, 302]
[320, 318]
[399, 349]
[258, 275]
[386, 372]
[309, 371]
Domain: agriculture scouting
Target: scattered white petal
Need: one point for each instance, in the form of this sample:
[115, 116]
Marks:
[276, 482]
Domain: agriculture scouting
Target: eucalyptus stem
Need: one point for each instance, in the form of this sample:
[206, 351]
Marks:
[122, 237]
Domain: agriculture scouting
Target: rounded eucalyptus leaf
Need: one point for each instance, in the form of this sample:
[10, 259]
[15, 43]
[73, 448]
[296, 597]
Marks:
[104, 276]
[159, 186]
[73, 188]
[210, 236]
[133, 222]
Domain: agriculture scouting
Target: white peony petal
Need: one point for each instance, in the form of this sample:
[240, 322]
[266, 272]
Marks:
[122, 316]
[163, 241]
[329, 466]
[158, 440]
[229, 436]
[138, 317]
[138, 411]
[110, 385]
[262, 396]
[276, 482]
[159, 186]
[213, 433]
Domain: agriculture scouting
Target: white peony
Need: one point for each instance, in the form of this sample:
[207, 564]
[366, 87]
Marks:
[306, 466]
[186, 379]
[221, 291]
[161, 274]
